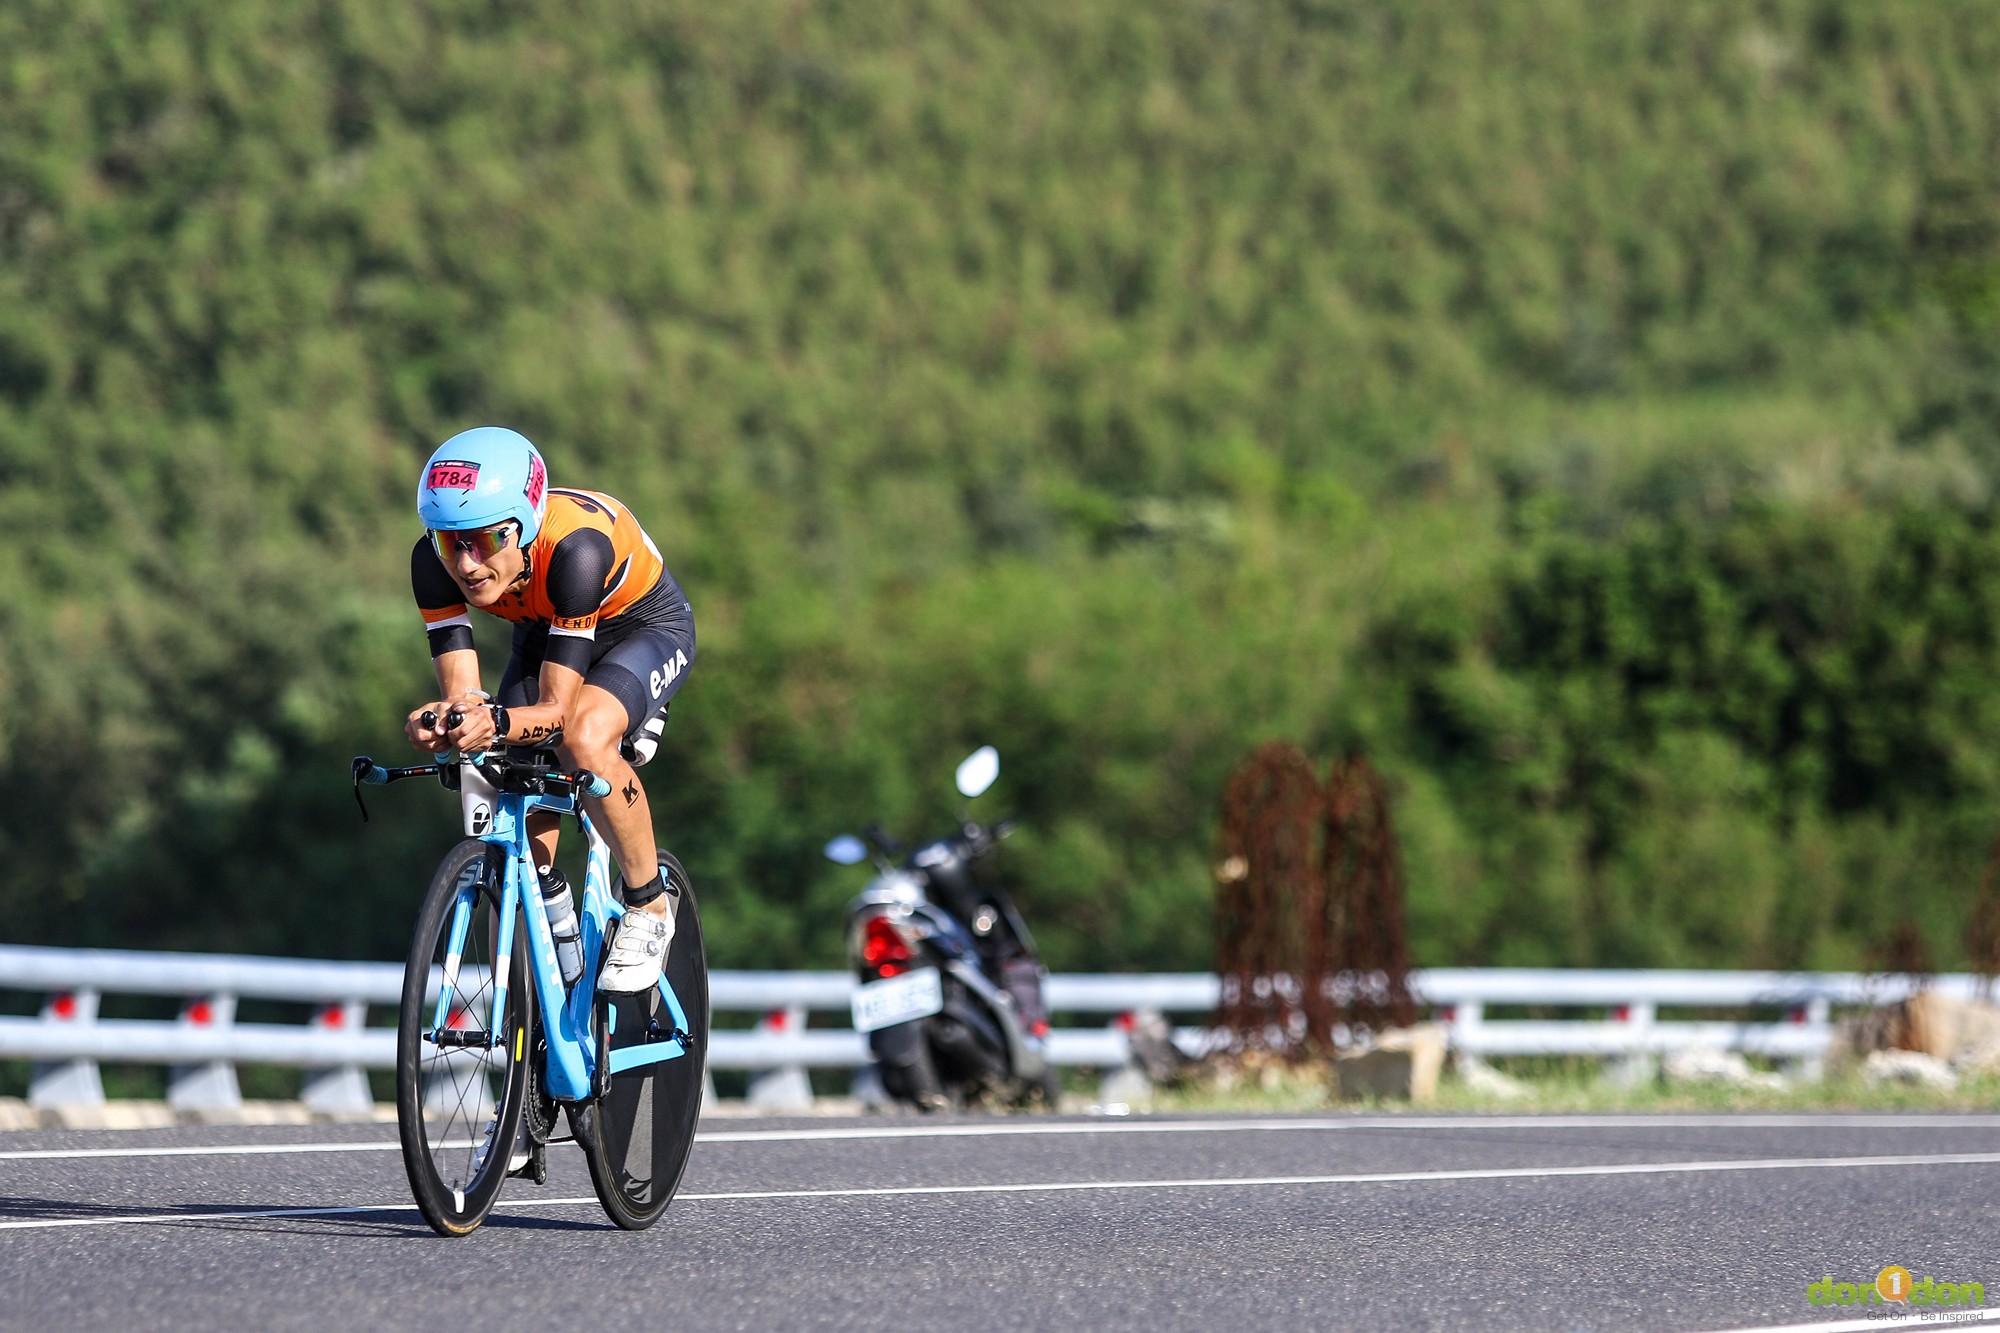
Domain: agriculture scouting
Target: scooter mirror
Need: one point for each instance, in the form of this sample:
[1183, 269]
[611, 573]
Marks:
[978, 771]
[847, 850]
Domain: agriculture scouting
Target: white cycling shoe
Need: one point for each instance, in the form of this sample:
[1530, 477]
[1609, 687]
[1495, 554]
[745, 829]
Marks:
[517, 1159]
[638, 952]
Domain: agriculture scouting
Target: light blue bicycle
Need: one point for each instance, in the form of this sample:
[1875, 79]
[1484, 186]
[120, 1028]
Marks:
[490, 1040]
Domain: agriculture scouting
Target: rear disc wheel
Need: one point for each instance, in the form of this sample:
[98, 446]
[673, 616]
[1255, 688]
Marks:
[637, 1135]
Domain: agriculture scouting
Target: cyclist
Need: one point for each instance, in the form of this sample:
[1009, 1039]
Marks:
[603, 639]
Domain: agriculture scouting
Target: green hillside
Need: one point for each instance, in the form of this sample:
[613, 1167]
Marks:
[1588, 410]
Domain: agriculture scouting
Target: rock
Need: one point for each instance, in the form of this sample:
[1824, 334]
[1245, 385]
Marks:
[1941, 1026]
[1402, 1065]
[1979, 1059]
[1911, 1067]
[1703, 1064]
[1484, 1079]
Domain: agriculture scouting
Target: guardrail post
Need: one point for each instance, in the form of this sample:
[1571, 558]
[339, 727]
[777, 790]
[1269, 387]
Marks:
[211, 1085]
[1639, 1065]
[340, 1091]
[1461, 1032]
[786, 1088]
[1817, 1017]
[1125, 1085]
[68, 1082]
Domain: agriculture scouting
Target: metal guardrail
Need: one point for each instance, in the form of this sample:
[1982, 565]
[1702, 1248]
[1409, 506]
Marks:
[204, 1044]
[1634, 1028]
[68, 1040]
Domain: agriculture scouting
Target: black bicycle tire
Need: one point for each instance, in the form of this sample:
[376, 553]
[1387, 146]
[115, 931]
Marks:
[449, 1212]
[676, 1087]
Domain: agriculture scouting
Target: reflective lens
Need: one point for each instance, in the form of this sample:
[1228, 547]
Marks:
[483, 543]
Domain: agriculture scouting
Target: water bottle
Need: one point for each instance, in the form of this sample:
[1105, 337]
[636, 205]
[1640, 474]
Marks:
[561, 911]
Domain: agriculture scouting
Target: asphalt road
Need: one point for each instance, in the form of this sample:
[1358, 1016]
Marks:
[1506, 1223]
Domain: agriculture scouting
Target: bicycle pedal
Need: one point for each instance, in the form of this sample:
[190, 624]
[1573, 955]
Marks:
[536, 1168]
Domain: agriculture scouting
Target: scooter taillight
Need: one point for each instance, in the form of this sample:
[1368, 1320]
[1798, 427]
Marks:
[883, 948]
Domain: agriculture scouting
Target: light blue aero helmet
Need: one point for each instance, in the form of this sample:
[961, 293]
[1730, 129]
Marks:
[482, 477]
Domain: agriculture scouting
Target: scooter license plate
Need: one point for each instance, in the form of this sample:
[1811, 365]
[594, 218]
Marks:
[893, 1000]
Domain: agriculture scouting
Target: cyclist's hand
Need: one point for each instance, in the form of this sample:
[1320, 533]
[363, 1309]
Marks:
[475, 729]
[432, 739]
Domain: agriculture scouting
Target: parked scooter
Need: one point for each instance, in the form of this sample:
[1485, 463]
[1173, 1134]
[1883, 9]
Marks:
[950, 990]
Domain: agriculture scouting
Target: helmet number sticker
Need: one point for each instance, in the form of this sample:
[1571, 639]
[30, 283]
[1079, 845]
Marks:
[538, 478]
[446, 475]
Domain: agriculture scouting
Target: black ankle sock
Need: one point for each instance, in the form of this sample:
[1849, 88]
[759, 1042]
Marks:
[644, 894]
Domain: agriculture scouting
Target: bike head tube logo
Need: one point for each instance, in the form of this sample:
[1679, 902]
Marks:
[1895, 1285]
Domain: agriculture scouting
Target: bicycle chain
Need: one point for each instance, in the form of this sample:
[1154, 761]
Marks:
[539, 1109]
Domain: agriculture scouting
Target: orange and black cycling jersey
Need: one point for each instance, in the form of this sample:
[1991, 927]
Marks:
[592, 575]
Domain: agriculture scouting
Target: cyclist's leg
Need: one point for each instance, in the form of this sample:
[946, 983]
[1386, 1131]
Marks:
[638, 948]
[645, 669]
[629, 685]
[591, 736]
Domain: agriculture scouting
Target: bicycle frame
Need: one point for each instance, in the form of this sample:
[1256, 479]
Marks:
[569, 1018]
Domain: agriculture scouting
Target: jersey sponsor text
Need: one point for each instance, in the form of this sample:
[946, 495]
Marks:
[669, 673]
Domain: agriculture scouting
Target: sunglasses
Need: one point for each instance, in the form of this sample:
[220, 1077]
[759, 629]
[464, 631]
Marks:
[481, 543]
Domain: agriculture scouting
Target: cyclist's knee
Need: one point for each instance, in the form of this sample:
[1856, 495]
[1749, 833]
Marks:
[592, 738]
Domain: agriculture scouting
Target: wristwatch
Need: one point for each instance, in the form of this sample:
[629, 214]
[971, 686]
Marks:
[499, 712]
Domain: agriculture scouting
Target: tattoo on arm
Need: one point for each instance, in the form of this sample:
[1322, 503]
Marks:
[631, 794]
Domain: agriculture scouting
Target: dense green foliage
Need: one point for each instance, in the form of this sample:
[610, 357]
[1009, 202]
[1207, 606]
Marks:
[1590, 410]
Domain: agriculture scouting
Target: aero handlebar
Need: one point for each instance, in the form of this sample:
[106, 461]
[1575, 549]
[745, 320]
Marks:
[501, 771]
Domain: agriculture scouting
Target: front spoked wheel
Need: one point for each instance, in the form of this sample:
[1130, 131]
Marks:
[460, 1068]
[637, 1135]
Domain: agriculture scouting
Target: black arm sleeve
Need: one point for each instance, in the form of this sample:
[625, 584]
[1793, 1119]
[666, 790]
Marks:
[579, 568]
[434, 590]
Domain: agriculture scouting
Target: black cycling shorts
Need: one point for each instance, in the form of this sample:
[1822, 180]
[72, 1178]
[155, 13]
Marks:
[642, 666]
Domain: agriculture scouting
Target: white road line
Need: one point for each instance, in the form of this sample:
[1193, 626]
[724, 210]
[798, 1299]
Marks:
[1390, 1177]
[256, 1214]
[1010, 1129]
[1004, 1129]
[129, 1219]
[205, 1150]
[1076, 1186]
